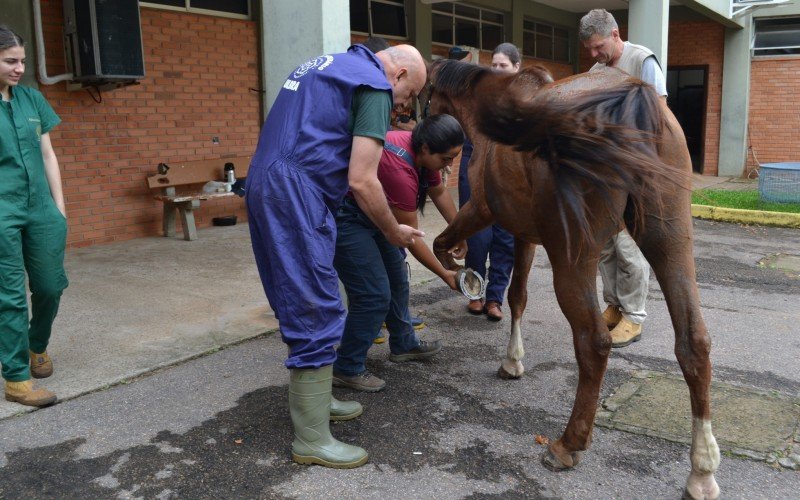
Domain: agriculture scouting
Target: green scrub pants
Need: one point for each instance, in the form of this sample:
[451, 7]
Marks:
[33, 236]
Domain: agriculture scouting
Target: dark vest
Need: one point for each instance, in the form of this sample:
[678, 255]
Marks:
[307, 127]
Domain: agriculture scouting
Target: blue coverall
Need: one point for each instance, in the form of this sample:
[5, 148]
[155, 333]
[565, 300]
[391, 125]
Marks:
[296, 183]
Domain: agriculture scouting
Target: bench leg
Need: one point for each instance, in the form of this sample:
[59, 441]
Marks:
[168, 219]
[187, 220]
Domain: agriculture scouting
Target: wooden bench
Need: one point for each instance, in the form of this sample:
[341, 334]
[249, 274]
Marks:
[190, 176]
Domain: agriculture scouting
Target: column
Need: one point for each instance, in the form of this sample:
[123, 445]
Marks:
[421, 29]
[735, 99]
[293, 32]
[648, 25]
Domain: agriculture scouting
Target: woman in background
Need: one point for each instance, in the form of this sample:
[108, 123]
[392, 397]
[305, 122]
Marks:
[494, 243]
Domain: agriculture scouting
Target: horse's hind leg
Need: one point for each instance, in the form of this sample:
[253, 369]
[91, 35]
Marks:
[670, 255]
[511, 366]
[577, 296]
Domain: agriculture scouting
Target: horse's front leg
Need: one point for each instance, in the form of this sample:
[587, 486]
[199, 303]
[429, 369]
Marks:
[468, 221]
[511, 367]
[577, 297]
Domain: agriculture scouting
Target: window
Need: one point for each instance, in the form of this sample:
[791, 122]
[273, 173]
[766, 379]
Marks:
[545, 41]
[227, 8]
[385, 18]
[777, 37]
[459, 24]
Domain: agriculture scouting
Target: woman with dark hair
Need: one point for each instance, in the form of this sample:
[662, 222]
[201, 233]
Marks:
[372, 270]
[494, 243]
[33, 228]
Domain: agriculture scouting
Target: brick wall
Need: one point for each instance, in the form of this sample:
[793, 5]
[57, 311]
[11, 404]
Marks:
[702, 43]
[198, 71]
[774, 111]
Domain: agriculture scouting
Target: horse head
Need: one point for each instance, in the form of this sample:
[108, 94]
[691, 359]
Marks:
[456, 88]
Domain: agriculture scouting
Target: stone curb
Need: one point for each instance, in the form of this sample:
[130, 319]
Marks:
[781, 219]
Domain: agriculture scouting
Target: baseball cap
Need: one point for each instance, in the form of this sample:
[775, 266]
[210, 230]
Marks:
[457, 53]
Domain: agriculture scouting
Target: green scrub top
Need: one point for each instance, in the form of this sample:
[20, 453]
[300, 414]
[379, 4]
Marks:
[23, 120]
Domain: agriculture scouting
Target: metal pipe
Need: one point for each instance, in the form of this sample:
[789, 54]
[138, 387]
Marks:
[40, 58]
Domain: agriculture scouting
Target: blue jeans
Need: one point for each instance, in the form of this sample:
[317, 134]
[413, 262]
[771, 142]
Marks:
[374, 275]
[493, 242]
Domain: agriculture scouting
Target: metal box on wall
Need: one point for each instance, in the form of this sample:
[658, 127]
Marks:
[103, 40]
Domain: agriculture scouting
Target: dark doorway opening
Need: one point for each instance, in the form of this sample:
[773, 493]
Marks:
[687, 90]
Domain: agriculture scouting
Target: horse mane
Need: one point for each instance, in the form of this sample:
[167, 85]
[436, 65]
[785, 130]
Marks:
[456, 78]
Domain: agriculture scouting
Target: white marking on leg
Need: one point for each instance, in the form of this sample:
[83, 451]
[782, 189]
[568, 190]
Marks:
[515, 352]
[705, 460]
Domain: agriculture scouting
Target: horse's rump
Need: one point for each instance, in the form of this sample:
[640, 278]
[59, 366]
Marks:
[592, 138]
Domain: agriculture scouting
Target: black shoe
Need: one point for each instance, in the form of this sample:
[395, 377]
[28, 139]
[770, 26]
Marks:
[425, 350]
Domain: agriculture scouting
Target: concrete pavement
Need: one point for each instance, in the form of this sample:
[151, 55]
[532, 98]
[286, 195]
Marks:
[140, 305]
[216, 426]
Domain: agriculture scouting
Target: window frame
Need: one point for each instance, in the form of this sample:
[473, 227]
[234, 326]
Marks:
[795, 49]
[453, 16]
[207, 12]
[371, 32]
[553, 37]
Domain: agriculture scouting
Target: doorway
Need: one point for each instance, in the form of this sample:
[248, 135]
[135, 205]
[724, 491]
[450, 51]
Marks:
[687, 90]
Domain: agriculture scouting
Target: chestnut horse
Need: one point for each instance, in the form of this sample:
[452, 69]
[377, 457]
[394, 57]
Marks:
[566, 165]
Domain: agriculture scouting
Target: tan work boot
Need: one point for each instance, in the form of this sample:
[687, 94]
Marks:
[612, 316]
[41, 365]
[24, 394]
[625, 332]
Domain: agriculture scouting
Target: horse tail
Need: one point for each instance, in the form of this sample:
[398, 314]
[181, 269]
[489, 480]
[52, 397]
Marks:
[606, 138]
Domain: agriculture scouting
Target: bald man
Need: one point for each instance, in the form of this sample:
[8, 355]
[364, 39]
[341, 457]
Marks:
[323, 136]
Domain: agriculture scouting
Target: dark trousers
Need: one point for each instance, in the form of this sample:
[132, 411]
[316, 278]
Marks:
[375, 278]
[494, 243]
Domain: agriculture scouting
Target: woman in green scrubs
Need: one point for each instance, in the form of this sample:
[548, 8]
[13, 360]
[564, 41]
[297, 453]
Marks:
[33, 229]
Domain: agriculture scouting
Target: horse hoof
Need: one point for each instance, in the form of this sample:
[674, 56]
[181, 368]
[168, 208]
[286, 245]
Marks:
[503, 374]
[701, 486]
[552, 463]
[688, 496]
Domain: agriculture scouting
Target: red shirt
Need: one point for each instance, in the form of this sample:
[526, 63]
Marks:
[399, 179]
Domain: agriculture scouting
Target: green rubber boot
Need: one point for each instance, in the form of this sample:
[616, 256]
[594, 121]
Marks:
[310, 407]
[345, 410]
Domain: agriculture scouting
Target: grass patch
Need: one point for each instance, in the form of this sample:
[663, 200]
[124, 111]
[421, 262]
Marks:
[743, 200]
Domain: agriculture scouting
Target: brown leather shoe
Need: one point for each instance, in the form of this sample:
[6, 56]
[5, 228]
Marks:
[364, 381]
[625, 333]
[612, 316]
[493, 311]
[475, 307]
[24, 394]
[41, 365]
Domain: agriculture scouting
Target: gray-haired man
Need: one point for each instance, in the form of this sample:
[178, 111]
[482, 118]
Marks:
[624, 270]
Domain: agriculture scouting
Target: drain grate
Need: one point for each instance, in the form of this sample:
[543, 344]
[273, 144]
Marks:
[746, 422]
